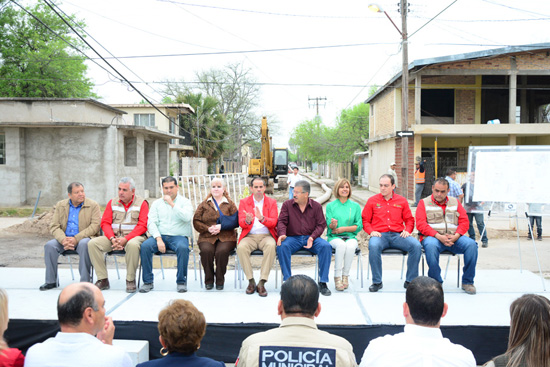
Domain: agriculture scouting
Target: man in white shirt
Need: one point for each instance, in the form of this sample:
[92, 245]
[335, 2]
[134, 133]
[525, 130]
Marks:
[421, 344]
[292, 179]
[86, 335]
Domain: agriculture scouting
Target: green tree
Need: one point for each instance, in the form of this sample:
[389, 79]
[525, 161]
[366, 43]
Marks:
[237, 89]
[34, 62]
[212, 128]
[309, 139]
[313, 141]
[350, 133]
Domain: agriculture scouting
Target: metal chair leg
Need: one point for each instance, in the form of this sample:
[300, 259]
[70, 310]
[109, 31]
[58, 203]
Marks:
[71, 266]
[161, 267]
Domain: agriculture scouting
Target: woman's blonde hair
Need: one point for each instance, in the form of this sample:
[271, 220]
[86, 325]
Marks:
[220, 180]
[341, 182]
[529, 340]
[3, 317]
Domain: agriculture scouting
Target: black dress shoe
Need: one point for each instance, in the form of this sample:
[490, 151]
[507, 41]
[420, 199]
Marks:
[375, 287]
[208, 286]
[324, 289]
[219, 287]
[405, 285]
[46, 286]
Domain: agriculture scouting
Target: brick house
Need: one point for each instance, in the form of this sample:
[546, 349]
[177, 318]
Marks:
[492, 97]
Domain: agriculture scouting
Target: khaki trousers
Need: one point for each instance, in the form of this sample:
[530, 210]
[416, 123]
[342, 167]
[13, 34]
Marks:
[251, 242]
[100, 245]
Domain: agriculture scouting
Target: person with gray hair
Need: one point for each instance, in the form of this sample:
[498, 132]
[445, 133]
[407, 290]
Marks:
[297, 339]
[300, 226]
[75, 221]
[421, 341]
[86, 336]
[124, 224]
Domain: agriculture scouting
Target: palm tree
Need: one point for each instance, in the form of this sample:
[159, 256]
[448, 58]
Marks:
[213, 130]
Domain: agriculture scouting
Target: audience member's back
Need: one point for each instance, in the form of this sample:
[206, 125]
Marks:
[421, 343]
[529, 340]
[297, 342]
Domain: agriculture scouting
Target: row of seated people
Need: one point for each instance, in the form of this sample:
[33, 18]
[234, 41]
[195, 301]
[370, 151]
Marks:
[386, 217]
[86, 334]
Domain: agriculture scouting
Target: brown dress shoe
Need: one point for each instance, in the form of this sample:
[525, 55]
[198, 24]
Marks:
[261, 291]
[103, 284]
[251, 288]
[130, 286]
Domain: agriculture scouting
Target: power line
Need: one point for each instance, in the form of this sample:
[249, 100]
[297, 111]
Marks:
[110, 53]
[59, 36]
[263, 12]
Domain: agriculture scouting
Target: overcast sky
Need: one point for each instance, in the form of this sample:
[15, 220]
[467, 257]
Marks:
[365, 47]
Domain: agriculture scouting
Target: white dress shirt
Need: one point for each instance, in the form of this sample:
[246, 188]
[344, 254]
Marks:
[257, 227]
[76, 349]
[417, 346]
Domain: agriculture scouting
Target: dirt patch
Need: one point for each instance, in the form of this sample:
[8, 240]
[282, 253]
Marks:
[39, 226]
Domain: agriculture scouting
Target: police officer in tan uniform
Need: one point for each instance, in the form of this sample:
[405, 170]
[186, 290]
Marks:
[297, 340]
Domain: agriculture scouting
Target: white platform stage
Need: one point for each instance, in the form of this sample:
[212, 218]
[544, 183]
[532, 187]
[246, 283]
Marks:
[480, 322]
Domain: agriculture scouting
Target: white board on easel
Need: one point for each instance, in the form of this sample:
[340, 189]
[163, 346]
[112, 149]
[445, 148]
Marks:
[510, 178]
[516, 176]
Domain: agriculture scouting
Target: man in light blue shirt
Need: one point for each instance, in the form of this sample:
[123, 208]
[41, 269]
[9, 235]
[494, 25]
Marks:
[169, 226]
[454, 188]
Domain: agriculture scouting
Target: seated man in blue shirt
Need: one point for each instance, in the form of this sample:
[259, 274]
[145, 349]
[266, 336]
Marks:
[169, 226]
[74, 221]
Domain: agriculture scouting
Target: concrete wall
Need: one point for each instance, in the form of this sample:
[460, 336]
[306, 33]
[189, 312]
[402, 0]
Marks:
[57, 111]
[12, 174]
[47, 159]
[56, 157]
[381, 154]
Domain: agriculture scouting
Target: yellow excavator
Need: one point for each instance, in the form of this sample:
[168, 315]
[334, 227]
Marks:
[272, 165]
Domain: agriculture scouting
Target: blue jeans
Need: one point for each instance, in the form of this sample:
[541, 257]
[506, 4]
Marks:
[320, 247]
[480, 226]
[538, 220]
[418, 193]
[464, 245]
[290, 192]
[178, 244]
[394, 240]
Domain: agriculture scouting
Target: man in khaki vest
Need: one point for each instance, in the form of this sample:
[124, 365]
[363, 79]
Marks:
[124, 224]
[442, 222]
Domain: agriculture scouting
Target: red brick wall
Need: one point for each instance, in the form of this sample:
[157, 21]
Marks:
[410, 165]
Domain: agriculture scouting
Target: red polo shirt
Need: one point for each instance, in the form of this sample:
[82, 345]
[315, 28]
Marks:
[393, 215]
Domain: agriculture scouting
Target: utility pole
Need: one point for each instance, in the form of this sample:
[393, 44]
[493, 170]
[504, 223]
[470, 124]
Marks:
[198, 143]
[405, 100]
[239, 155]
[316, 102]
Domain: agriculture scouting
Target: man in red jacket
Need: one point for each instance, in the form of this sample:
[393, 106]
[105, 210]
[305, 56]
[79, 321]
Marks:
[444, 229]
[389, 222]
[258, 220]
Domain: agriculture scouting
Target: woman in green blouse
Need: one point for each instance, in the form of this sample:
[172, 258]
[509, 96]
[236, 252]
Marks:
[344, 223]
